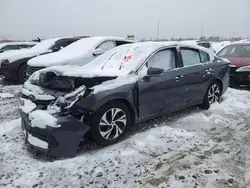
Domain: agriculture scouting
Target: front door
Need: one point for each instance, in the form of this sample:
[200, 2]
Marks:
[161, 93]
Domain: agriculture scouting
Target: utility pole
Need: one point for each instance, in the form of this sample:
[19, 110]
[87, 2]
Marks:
[202, 30]
[158, 30]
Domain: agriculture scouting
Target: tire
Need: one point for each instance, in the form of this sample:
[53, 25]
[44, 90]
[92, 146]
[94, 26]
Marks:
[104, 131]
[213, 94]
[22, 74]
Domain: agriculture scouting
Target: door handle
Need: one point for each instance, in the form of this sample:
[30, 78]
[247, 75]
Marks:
[178, 77]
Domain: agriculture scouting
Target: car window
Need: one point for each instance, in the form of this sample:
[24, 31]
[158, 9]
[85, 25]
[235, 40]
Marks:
[118, 43]
[190, 57]
[164, 59]
[106, 45]
[10, 47]
[235, 51]
[204, 57]
[61, 44]
[205, 44]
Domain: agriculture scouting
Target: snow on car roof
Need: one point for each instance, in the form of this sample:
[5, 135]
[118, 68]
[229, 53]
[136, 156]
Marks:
[45, 44]
[2, 45]
[118, 61]
[39, 48]
[75, 51]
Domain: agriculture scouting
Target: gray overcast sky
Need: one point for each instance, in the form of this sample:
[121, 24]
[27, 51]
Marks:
[27, 19]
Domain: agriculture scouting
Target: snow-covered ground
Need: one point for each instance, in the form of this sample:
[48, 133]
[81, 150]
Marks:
[192, 148]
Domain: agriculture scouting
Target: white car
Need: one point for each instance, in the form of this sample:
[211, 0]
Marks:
[78, 53]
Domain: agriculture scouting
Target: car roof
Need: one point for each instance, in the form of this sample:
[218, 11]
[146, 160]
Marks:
[240, 44]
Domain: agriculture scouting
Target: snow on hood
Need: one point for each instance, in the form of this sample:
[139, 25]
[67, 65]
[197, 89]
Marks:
[78, 53]
[38, 49]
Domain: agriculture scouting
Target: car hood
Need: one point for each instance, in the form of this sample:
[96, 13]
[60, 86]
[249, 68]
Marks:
[77, 71]
[239, 61]
[61, 58]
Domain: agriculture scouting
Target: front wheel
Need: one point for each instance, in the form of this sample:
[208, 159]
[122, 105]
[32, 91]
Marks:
[110, 123]
[213, 94]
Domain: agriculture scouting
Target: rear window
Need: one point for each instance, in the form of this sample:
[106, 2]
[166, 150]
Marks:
[205, 44]
[235, 51]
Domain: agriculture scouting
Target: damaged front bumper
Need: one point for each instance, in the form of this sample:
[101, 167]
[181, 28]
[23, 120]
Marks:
[57, 141]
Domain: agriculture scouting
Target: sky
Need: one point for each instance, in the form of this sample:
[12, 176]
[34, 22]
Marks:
[28, 19]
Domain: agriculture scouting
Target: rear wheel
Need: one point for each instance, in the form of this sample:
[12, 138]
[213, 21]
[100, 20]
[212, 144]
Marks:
[213, 94]
[110, 123]
[22, 74]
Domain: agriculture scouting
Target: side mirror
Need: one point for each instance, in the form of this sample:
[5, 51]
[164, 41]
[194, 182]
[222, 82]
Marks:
[98, 51]
[153, 71]
[1, 51]
[56, 49]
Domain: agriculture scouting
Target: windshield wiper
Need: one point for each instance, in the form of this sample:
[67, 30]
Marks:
[108, 59]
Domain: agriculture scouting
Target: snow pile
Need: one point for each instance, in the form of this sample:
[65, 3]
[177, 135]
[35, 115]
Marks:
[9, 97]
[6, 95]
[42, 119]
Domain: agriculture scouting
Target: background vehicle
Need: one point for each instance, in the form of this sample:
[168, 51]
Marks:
[14, 63]
[79, 53]
[239, 55]
[15, 46]
[126, 85]
[206, 44]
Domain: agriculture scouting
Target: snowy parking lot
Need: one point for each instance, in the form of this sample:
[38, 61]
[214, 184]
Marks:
[192, 148]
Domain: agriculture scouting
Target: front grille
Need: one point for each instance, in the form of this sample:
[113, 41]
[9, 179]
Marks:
[30, 70]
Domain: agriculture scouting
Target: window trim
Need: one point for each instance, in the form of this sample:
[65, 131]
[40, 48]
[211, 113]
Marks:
[152, 54]
[192, 49]
[209, 59]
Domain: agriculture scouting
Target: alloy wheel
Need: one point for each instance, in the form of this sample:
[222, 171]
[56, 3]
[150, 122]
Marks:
[112, 123]
[213, 94]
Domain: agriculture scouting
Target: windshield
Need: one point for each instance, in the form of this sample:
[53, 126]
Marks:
[235, 51]
[125, 58]
[45, 44]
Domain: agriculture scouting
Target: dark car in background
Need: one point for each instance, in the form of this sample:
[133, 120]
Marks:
[64, 105]
[13, 64]
[239, 56]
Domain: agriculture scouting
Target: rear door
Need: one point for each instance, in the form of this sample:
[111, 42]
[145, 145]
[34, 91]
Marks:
[197, 71]
[164, 92]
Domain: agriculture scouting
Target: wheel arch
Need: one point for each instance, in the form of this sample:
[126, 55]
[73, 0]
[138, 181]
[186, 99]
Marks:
[128, 105]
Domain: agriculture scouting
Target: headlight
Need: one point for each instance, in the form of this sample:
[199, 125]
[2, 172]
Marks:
[243, 69]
